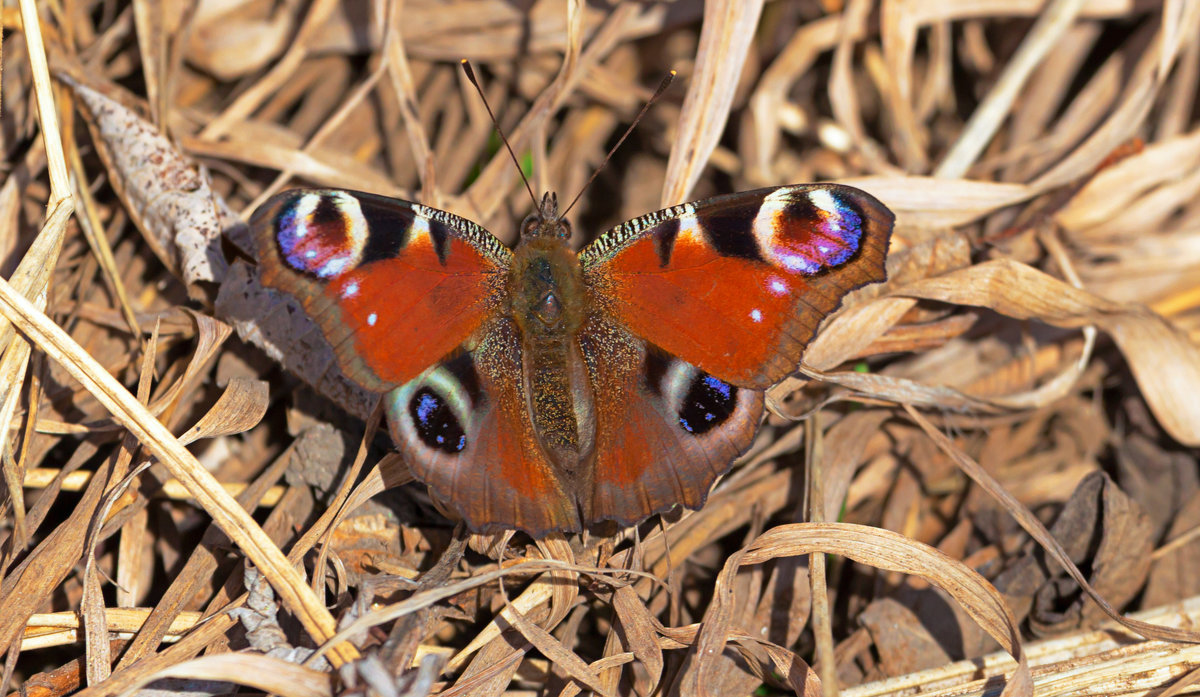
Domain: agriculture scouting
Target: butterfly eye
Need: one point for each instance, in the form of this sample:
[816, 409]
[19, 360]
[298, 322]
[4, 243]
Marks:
[529, 226]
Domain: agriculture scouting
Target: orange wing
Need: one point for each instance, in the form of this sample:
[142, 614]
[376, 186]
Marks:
[393, 285]
[736, 285]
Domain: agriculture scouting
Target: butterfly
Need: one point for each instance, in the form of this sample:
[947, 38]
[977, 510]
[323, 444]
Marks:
[545, 389]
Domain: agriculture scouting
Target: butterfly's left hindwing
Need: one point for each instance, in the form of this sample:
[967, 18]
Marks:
[465, 430]
[394, 286]
[736, 285]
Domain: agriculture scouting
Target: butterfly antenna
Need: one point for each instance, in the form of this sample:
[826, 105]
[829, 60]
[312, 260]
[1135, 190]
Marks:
[662, 87]
[471, 76]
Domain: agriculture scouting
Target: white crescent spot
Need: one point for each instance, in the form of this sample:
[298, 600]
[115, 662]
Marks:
[689, 226]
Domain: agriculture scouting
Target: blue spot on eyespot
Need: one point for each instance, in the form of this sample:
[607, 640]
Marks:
[709, 402]
[722, 388]
[288, 231]
[310, 254]
[845, 226]
[435, 423]
[426, 404]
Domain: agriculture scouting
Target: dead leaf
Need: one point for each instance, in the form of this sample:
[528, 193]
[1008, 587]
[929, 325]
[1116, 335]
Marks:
[166, 195]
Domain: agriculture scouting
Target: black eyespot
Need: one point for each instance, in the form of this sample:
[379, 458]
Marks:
[435, 421]
[709, 403]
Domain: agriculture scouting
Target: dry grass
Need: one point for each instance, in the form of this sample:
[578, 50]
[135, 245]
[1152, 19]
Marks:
[1039, 333]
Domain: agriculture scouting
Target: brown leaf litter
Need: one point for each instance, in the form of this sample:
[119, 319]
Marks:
[983, 462]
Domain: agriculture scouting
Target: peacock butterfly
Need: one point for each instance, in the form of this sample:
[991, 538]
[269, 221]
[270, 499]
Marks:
[542, 389]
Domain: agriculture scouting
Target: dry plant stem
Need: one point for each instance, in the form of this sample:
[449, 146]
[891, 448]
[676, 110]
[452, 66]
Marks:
[388, 473]
[56, 163]
[402, 83]
[842, 96]
[94, 233]
[1038, 531]
[538, 593]
[1046, 32]
[1105, 661]
[95, 621]
[825, 658]
[1175, 543]
[725, 39]
[338, 505]
[41, 477]
[152, 45]
[155, 437]
[557, 653]
[12, 375]
[882, 549]
[33, 274]
[30, 582]
[433, 595]
[270, 675]
[120, 620]
[493, 183]
[1136, 102]
[251, 99]
[322, 133]
[97, 654]
[211, 631]
[130, 547]
[201, 565]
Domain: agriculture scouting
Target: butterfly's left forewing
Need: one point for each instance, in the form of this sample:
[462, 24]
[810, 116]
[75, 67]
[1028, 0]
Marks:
[395, 286]
[736, 285]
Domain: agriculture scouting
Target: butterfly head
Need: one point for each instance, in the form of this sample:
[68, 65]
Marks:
[546, 222]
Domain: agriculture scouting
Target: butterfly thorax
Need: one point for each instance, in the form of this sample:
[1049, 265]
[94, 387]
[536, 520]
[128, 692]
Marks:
[549, 308]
